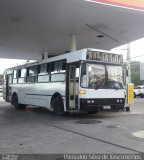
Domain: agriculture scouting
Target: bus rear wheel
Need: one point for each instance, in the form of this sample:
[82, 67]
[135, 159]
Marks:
[58, 106]
[92, 112]
[16, 104]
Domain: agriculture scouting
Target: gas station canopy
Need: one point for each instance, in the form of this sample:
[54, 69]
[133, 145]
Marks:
[29, 28]
[131, 4]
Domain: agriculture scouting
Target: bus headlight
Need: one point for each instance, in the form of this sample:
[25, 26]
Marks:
[82, 92]
[88, 101]
[92, 101]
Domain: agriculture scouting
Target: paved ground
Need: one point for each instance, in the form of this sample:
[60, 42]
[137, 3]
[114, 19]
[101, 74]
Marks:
[38, 131]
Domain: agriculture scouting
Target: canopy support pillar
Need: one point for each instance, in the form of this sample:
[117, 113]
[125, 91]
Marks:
[73, 46]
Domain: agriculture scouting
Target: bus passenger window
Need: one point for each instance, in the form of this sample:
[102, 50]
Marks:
[10, 78]
[43, 69]
[23, 72]
[33, 71]
[32, 74]
[58, 74]
[43, 75]
[22, 75]
[15, 76]
[62, 66]
[58, 77]
[54, 67]
[4, 78]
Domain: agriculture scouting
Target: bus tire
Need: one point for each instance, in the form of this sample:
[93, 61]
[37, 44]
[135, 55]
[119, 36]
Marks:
[127, 109]
[58, 106]
[16, 104]
[134, 95]
[141, 96]
[92, 112]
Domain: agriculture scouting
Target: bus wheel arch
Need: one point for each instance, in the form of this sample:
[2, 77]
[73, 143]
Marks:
[57, 104]
[16, 103]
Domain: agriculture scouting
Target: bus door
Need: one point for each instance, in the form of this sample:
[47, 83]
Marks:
[8, 88]
[73, 86]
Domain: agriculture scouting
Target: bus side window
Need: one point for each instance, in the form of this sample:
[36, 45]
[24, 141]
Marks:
[54, 67]
[43, 75]
[62, 66]
[4, 78]
[32, 74]
[15, 76]
[22, 75]
[58, 71]
[10, 79]
[43, 69]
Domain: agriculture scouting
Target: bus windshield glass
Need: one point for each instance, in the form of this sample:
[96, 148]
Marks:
[115, 77]
[100, 76]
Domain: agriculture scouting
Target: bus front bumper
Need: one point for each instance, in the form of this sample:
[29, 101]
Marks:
[99, 103]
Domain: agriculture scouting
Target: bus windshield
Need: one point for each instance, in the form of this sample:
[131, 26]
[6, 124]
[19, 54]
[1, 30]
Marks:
[102, 76]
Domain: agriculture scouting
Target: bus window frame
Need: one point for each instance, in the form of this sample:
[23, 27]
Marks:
[15, 76]
[58, 71]
[32, 76]
[44, 74]
[21, 77]
[97, 62]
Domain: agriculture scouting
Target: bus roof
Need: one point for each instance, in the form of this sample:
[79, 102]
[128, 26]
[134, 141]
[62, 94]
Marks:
[70, 57]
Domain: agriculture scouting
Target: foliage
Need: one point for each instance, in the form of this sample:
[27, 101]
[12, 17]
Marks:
[135, 73]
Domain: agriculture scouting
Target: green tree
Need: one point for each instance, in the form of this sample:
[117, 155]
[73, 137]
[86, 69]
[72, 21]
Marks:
[135, 73]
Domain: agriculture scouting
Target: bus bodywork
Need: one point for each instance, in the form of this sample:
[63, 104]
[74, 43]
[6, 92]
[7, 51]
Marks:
[84, 80]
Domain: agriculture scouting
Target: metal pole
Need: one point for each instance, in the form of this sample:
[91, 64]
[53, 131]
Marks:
[128, 63]
[73, 43]
[44, 55]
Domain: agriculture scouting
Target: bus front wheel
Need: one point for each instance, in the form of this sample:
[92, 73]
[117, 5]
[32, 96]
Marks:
[58, 106]
[127, 109]
[16, 104]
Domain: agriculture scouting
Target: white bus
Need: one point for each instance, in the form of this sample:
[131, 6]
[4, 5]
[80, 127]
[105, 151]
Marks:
[80, 81]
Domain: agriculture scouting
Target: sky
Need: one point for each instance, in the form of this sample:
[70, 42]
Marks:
[136, 53]
[7, 63]
[136, 50]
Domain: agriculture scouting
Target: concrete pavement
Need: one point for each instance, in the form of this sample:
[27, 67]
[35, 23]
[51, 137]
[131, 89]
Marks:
[36, 130]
